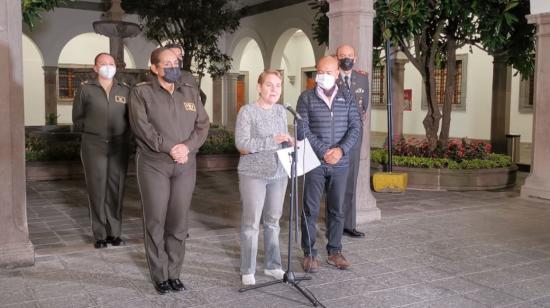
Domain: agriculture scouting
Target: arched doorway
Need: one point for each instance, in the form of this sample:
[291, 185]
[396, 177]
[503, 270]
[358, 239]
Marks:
[33, 83]
[294, 56]
[250, 66]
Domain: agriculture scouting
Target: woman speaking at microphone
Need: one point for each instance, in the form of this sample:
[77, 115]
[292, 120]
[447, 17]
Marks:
[261, 130]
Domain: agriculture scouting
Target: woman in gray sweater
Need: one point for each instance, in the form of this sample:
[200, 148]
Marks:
[261, 130]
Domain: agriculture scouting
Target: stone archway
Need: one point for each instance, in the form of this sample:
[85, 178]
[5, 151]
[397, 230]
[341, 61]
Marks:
[294, 55]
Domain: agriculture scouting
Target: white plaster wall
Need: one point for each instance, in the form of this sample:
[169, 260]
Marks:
[33, 83]
[540, 6]
[520, 123]
[83, 48]
[206, 87]
[252, 62]
[474, 122]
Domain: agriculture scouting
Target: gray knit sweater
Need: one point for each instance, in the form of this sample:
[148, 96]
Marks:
[254, 133]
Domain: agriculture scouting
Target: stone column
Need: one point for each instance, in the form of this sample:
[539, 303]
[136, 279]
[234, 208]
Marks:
[398, 83]
[224, 100]
[217, 100]
[350, 22]
[15, 247]
[500, 106]
[537, 184]
[50, 89]
[230, 108]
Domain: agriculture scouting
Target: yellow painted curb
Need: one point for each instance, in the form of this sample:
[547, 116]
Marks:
[389, 182]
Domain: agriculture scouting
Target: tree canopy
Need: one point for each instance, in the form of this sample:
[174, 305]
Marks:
[194, 24]
[430, 32]
[32, 9]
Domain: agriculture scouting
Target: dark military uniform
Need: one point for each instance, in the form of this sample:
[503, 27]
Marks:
[103, 121]
[359, 86]
[160, 120]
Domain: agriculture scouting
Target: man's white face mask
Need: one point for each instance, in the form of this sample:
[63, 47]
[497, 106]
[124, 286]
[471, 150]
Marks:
[325, 81]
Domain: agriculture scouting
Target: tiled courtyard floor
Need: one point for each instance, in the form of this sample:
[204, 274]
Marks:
[431, 249]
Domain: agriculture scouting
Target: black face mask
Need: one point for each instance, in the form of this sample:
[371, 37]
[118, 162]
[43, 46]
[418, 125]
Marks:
[171, 74]
[346, 64]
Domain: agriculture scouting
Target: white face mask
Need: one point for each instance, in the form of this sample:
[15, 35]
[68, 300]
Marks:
[325, 81]
[107, 71]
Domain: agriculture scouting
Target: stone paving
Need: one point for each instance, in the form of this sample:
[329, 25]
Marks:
[432, 249]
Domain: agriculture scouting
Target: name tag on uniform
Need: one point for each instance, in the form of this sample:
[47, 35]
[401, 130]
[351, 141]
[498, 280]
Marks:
[120, 99]
[360, 91]
[189, 106]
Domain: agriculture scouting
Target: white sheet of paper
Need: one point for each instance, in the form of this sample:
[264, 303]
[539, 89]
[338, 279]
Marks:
[306, 158]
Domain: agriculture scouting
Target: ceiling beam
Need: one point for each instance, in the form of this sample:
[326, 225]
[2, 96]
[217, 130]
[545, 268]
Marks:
[267, 6]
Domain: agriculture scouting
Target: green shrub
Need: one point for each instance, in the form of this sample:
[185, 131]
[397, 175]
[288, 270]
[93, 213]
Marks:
[219, 141]
[492, 160]
[38, 149]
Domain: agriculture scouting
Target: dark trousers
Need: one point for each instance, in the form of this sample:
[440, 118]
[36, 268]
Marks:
[349, 197]
[105, 164]
[332, 181]
[166, 190]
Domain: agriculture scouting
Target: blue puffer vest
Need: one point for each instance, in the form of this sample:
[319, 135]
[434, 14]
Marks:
[324, 127]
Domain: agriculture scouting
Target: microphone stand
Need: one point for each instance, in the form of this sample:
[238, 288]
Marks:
[289, 277]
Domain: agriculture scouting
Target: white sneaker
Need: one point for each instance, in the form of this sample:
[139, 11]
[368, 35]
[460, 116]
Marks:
[275, 273]
[248, 279]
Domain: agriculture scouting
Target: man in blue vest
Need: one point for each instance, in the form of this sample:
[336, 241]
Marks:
[331, 123]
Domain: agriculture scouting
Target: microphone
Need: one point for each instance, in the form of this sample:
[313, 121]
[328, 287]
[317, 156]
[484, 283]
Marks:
[291, 110]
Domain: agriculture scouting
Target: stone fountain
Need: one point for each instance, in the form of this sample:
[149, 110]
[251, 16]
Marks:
[116, 30]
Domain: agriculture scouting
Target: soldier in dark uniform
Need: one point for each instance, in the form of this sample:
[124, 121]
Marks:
[100, 113]
[357, 83]
[186, 76]
[170, 124]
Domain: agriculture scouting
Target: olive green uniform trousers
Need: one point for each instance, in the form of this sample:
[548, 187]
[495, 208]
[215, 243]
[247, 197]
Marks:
[105, 162]
[166, 191]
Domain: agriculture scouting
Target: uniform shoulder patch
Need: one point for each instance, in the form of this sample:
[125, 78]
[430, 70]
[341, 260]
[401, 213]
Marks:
[360, 72]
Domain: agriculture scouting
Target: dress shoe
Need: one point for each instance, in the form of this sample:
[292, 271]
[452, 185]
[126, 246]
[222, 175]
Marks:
[100, 244]
[115, 241]
[353, 233]
[310, 264]
[163, 287]
[337, 260]
[176, 285]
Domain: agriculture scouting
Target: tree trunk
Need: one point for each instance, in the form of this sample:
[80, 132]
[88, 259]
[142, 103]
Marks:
[450, 83]
[431, 121]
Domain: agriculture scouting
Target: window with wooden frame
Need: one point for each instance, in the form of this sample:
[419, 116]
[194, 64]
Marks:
[378, 87]
[527, 95]
[69, 79]
[459, 98]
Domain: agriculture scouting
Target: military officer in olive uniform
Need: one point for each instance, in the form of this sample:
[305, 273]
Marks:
[357, 82]
[170, 124]
[100, 113]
